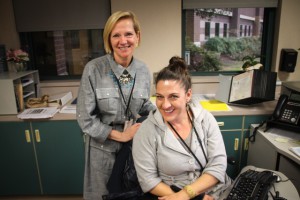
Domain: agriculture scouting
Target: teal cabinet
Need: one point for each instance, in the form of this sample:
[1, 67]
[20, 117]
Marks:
[235, 131]
[18, 169]
[231, 129]
[41, 157]
[60, 153]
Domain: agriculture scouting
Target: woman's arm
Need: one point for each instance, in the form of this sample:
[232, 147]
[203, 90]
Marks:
[87, 111]
[202, 184]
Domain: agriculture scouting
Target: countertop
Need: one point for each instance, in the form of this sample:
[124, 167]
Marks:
[265, 108]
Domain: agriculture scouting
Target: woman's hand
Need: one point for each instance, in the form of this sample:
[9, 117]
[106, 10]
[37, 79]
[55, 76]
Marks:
[128, 134]
[125, 136]
[181, 196]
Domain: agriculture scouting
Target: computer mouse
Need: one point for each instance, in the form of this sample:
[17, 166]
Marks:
[278, 178]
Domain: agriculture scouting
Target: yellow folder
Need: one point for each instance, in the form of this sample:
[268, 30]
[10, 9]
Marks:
[214, 105]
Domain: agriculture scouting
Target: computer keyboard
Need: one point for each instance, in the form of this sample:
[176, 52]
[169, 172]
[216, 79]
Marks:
[252, 185]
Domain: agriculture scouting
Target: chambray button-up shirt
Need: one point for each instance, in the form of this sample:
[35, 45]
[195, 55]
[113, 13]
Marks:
[100, 106]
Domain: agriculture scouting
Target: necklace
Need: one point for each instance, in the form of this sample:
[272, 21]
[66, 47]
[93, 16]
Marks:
[125, 78]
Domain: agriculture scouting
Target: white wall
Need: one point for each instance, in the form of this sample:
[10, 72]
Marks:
[161, 29]
[288, 37]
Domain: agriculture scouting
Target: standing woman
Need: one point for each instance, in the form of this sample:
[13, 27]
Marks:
[113, 93]
[178, 151]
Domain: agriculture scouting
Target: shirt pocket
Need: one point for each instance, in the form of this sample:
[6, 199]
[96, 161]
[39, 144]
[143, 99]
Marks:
[108, 99]
[138, 98]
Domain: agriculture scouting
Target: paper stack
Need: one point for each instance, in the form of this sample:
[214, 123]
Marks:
[58, 100]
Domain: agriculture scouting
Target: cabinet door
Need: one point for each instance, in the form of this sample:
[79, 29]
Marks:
[232, 143]
[231, 129]
[60, 154]
[18, 169]
[246, 133]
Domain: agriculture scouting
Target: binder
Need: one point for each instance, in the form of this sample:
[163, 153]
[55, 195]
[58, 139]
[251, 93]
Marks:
[251, 87]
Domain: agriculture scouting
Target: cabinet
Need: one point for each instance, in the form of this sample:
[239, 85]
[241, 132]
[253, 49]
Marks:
[18, 87]
[41, 157]
[235, 131]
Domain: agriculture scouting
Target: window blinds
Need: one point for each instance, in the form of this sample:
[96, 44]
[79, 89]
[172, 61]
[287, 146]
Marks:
[51, 15]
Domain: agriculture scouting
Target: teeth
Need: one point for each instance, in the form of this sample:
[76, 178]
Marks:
[168, 111]
[123, 48]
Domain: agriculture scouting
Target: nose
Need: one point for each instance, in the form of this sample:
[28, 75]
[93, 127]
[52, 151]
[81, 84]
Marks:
[123, 40]
[166, 103]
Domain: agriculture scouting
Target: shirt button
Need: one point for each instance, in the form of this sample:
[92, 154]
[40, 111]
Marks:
[141, 95]
[101, 146]
[107, 94]
[191, 161]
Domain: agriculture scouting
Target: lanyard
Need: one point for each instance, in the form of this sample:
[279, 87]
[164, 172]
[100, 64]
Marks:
[123, 97]
[193, 127]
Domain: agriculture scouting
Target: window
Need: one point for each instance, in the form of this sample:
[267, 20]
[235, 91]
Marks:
[207, 30]
[241, 30]
[61, 41]
[217, 30]
[63, 53]
[225, 31]
[247, 31]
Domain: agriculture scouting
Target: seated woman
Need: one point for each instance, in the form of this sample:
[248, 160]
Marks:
[180, 144]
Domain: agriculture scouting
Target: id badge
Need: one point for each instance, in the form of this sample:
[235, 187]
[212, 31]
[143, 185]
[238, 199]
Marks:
[127, 124]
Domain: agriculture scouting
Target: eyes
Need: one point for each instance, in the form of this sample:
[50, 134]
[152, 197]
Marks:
[171, 97]
[127, 35]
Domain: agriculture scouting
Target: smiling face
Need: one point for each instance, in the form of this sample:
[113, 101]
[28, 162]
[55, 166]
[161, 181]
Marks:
[124, 40]
[171, 100]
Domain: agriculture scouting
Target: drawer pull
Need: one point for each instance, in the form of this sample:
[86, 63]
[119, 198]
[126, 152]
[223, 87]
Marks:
[236, 144]
[221, 123]
[246, 144]
[27, 136]
[37, 135]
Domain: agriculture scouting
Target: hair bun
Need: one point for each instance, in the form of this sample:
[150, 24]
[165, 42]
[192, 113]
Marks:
[177, 61]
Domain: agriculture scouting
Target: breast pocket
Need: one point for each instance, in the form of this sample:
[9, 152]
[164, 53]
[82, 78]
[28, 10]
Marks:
[108, 99]
[138, 98]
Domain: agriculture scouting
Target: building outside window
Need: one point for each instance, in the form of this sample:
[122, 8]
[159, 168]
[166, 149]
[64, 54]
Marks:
[207, 30]
[217, 29]
[222, 52]
[225, 31]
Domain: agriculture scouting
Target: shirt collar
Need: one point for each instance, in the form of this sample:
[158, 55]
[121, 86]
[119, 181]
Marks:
[118, 69]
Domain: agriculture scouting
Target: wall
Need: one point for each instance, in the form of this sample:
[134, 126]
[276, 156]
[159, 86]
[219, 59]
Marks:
[8, 33]
[288, 36]
[161, 34]
[161, 29]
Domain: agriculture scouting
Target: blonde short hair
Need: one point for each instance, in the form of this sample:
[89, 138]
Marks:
[111, 22]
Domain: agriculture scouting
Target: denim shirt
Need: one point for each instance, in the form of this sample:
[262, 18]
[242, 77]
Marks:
[100, 106]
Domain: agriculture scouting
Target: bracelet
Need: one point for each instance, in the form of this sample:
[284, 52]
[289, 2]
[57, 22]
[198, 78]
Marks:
[189, 190]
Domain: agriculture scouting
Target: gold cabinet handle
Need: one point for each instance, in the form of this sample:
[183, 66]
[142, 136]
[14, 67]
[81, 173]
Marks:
[37, 135]
[221, 123]
[246, 144]
[236, 144]
[27, 136]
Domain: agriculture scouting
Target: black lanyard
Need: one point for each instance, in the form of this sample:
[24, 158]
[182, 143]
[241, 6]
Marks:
[123, 97]
[193, 127]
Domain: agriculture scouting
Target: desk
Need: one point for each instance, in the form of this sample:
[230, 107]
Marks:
[271, 151]
[285, 189]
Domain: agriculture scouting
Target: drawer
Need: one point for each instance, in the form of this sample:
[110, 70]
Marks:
[230, 122]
